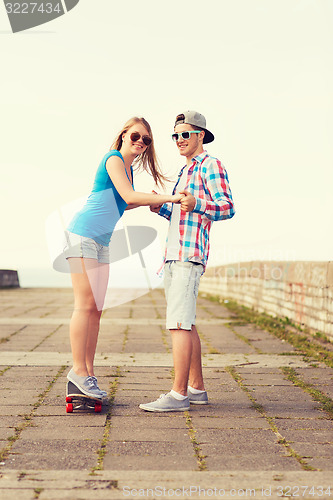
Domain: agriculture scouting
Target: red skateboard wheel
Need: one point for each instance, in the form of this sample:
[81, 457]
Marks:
[69, 408]
[98, 407]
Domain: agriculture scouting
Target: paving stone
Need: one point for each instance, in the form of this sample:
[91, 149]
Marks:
[27, 494]
[263, 340]
[70, 420]
[9, 421]
[314, 450]
[6, 432]
[239, 442]
[147, 420]
[214, 422]
[304, 424]
[313, 437]
[150, 463]
[180, 450]
[149, 435]
[65, 432]
[231, 433]
[18, 397]
[53, 454]
[321, 463]
[254, 462]
[14, 410]
[81, 459]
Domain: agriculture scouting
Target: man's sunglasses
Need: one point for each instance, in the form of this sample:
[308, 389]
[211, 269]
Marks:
[135, 136]
[184, 135]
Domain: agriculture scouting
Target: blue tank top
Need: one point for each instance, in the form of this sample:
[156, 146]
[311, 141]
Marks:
[103, 208]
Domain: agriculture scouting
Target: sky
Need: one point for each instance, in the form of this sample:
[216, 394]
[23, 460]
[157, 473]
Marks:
[261, 71]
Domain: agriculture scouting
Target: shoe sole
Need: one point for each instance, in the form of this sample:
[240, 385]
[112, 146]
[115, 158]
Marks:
[163, 410]
[198, 402]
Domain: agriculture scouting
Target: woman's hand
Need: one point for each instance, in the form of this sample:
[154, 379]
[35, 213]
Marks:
[176, 198]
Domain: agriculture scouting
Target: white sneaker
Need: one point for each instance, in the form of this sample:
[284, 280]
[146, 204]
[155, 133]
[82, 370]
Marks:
[166, 402]
[85, 384]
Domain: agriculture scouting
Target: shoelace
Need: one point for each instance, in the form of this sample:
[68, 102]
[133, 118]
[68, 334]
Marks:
[95, 382]
[91, 383]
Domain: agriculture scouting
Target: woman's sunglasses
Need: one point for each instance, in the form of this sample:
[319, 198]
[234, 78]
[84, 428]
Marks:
[184, 135]
[135, 136]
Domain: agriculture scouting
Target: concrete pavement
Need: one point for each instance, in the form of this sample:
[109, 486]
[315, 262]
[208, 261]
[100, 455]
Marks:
[262, 434]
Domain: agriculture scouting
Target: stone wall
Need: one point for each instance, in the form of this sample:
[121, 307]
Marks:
[9, 278]
[300, 291]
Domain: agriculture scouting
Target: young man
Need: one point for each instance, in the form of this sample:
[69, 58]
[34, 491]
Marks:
[207, 197]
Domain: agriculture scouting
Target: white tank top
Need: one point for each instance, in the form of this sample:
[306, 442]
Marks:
[173, 245]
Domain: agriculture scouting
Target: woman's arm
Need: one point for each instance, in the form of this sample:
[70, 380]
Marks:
[116, 170]
[131, 206]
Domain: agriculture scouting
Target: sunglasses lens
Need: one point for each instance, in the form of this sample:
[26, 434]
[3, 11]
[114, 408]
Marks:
[185, 135]
[174, 137]
[135, 136]
[146, 140]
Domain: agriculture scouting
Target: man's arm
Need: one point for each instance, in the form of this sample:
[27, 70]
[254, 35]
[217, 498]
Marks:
[220, 206]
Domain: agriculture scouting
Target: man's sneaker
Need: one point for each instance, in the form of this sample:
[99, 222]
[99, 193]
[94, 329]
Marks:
[86, 385]
[166, 402]
[197, 399]
[103, 392]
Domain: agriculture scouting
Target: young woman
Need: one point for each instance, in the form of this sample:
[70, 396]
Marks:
[88, 236]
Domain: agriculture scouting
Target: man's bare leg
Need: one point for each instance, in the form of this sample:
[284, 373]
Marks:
[195, 374]
[182, 353]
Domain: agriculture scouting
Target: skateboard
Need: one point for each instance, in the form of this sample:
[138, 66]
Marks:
[76, 400]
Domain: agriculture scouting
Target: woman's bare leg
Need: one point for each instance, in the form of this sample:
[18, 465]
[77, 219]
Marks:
[89, 279]
[98, 278]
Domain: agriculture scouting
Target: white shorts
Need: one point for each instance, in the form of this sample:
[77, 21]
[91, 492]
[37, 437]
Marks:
[81, 246]
[181, 284]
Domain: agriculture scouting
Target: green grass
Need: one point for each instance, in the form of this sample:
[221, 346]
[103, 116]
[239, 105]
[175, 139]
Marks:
[283, 329]
[196, 446]
[27, 418]
[259, 408]
[326, 403]
[101, 452]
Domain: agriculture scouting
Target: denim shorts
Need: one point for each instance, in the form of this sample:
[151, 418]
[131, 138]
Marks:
[81, 246]
[181, 284]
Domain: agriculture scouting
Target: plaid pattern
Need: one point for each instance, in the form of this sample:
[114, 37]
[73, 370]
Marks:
[207, 181]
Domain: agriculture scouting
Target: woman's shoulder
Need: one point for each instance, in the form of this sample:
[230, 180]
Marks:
[112, 152]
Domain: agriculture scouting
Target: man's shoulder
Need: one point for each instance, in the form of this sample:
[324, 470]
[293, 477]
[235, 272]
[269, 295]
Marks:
[210, 162]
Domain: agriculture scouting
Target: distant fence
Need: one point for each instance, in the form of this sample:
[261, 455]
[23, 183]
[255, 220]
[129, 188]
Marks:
[300, 291]
[9, 278]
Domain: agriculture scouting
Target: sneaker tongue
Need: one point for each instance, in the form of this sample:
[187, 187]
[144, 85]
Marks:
[90, 382]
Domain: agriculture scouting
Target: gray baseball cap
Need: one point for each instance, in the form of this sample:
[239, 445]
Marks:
[196, 120]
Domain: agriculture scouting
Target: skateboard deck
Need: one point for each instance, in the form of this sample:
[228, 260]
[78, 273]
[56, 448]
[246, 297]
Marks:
[76, 400]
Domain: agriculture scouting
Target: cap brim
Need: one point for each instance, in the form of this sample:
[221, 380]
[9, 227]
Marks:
[209, 137]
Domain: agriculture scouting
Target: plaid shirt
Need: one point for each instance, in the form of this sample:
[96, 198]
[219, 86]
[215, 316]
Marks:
[207, 181]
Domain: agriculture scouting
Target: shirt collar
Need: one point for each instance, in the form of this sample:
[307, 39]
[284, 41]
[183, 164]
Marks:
[200, 157]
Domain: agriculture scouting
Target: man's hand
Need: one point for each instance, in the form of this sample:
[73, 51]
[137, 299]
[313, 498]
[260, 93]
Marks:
[155, 208]
[188, 202]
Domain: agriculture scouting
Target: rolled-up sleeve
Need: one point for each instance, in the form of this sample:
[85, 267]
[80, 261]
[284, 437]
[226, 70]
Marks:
[166, 210]
[217, 204]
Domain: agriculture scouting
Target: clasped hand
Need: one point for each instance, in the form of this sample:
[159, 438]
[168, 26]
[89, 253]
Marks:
[186, 200]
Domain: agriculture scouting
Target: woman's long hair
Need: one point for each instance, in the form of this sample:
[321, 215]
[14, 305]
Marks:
[147, 160]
